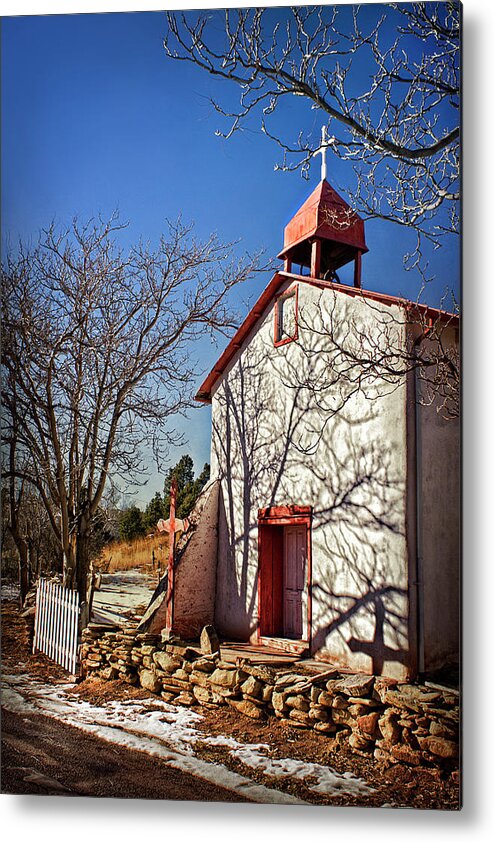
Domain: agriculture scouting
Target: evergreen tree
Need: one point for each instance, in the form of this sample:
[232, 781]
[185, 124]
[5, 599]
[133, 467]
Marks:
[203, 477]
[188, 488]
[154, 510]
[131, 524]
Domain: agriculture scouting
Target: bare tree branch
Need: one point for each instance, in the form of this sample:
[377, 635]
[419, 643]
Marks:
[386, 83]
[97, 361]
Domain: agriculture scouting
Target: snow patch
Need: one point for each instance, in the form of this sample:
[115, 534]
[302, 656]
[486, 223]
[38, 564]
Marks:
[125, 725]
[328, 781]
[172, 733]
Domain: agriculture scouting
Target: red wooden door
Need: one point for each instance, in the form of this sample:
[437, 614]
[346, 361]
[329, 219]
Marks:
[294, 572]
[271, 575]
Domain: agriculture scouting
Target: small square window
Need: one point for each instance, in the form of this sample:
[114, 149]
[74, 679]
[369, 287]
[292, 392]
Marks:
[285, 318]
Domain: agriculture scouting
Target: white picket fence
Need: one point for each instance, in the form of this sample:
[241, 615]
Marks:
[56, 624]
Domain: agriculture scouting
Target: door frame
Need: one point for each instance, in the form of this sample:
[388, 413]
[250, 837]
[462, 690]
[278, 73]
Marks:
[285, 516]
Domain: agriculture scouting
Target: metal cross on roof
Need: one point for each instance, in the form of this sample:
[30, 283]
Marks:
[322, 152]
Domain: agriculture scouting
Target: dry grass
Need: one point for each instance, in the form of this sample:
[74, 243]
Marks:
[148, 554]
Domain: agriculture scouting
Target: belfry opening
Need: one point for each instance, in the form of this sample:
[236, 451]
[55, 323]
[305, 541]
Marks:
[324, 235]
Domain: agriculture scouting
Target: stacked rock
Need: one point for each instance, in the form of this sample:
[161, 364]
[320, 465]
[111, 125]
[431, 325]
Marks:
[121, 657]
[96, 648]
[395, 722]
[29, 613]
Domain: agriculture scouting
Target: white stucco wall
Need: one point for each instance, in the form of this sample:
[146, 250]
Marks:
[288, 429]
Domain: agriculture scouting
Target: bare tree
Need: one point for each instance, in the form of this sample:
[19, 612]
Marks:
[29, 546]
[384, 80]
[13, 520]
[97, 360]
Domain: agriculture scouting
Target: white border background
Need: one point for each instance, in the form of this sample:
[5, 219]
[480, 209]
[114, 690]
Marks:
[83, 820]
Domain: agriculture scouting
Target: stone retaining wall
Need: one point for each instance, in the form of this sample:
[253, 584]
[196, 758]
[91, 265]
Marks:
[396, 722]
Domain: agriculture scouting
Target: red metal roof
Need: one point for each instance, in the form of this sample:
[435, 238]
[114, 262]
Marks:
[204, 393]
[326, 215]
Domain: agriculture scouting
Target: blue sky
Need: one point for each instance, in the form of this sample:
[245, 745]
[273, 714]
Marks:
[95, 117]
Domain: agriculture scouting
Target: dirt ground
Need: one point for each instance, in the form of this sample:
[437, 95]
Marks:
[43, 756]
[394, 784]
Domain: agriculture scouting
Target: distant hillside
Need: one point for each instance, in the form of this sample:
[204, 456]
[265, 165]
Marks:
[147, 553]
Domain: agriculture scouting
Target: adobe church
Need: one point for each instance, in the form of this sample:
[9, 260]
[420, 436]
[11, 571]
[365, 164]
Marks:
[330, 526]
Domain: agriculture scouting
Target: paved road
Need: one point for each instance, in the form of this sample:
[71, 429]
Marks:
[41, 756]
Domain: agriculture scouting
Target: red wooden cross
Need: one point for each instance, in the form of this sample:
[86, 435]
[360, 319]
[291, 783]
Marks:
[171, 555]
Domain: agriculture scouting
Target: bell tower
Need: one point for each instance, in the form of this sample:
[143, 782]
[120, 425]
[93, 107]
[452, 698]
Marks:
[324, 235]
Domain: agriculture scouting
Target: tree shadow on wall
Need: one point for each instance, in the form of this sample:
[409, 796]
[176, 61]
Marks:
[283, 436]
[251, 458]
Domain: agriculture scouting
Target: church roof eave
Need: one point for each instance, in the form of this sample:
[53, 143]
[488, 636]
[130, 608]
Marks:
[203, 394]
